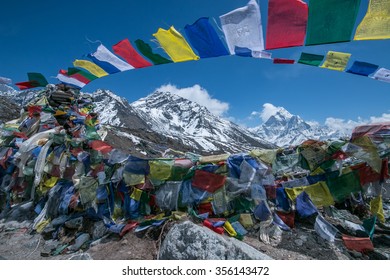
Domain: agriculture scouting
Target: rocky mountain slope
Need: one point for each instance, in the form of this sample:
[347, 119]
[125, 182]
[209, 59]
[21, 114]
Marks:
[193, 125]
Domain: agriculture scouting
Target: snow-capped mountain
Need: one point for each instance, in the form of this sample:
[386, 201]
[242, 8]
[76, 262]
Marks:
[284, 129]
[193, 125]
[19, 97]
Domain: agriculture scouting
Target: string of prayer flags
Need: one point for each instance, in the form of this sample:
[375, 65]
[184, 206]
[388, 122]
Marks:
[242, 28]
[382, 74]
[376, 22]
[362, 68]
[336, 61]
[91, 67]
[286, 24]
[331, 21]
[311, 59]
[147, 51]
[127, 51]
[204, 39]
[108, 61]
[175, 45]
[283, 61]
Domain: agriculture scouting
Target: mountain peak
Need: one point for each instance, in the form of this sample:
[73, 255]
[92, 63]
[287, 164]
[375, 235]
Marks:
[286, 129]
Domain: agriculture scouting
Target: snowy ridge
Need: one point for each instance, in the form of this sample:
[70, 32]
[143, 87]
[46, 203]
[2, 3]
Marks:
[176, 117]
[285, 129]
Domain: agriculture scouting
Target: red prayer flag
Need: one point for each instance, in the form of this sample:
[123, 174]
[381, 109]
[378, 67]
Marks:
[101, 146]
[208, 181]
[127, 51]
[27, 85]
[359, 244]
[286, 25]
[283, 61]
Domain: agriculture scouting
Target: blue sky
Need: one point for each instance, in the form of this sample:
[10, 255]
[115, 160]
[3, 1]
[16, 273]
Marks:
[45, 36]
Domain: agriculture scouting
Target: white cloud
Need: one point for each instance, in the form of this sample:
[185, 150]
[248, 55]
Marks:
[345, 126]
[268, 111]
[199, 95]
[384, 118]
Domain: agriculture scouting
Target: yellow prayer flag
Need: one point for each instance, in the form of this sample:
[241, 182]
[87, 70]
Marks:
[319, 193]
[49, 183]
[160, 169]
[136, 194]
[336, 61]
[175, 45]
[376, 208]
[376, 23]
[91, 67]
[133, 179]
[229, 229]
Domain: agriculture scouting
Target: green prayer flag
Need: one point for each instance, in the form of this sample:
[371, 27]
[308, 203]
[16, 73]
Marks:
[342, 186]
[85, 74]
[331, 21]
[147, 51]
[311, 59]
[37, 77]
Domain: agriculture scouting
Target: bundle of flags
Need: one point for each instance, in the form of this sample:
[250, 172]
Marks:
[290, 23]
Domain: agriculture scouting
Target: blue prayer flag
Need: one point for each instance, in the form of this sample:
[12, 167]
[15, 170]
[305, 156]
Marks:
[362, 68]
[204, 39]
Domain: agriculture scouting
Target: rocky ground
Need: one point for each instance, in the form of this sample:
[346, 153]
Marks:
[17, 242]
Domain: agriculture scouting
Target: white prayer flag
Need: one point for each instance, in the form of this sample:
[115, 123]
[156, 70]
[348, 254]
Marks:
[242, 28]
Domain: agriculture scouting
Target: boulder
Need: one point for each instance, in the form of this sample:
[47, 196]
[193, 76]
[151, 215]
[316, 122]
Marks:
[187, 241]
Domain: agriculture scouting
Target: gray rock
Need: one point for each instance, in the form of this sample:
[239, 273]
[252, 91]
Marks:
[76, 223]
[82, 256]
[99, 230]
[79, 242]
[187, 241]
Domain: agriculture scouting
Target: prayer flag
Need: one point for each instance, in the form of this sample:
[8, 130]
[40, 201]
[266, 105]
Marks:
[204, 39]
[27, 85]
[382, 74]
[304, 205]
[81, 75]
[286, 24]
[242, 28]
[359, 244]
[37, 77]
[147, 51]
[249, 53]
[63, 77]
[108, 61]
[175, 45]
[283, 61]
[362, 68]
[91, 67]
[331, 21]
[127, 51]
[324, 229]
[376, 23]
[311, 59]
[336, 61]
[207, 181]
